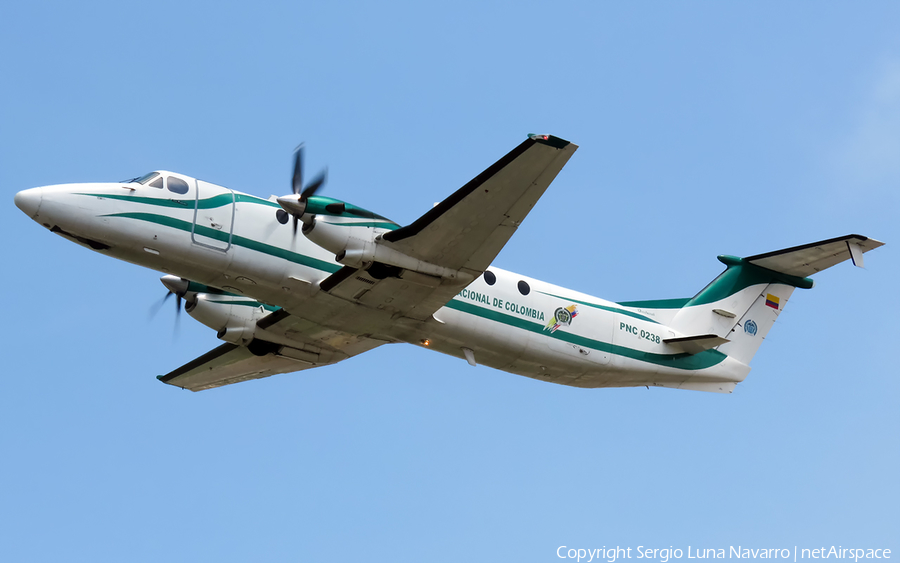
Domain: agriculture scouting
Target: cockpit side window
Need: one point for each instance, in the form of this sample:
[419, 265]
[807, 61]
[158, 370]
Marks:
[177, 185]
[142, 179]
[158, 183]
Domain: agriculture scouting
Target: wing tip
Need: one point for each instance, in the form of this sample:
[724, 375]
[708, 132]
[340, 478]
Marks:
[549, 140]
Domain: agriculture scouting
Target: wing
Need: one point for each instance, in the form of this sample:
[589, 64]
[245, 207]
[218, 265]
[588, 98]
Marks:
[227, 364]
[464, 232]
[285, 343]
[468, 229]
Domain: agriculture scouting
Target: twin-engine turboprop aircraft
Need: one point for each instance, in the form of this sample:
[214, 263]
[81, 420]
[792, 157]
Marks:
[351, 280]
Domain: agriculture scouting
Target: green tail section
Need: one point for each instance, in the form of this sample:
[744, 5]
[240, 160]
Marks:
[740, 305]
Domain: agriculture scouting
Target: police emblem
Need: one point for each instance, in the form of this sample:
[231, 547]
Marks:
[750, 327]
[562, 317]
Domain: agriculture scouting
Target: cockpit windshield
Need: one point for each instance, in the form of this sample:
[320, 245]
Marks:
[142, 179]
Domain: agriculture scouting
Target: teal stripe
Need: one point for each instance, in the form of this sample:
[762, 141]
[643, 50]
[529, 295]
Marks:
[317, 204]
[159, 202]
[604, 308]
[657, 303]
[244, 198]
[220, 200]
[235, 240]
[702, 360]
[315, 207]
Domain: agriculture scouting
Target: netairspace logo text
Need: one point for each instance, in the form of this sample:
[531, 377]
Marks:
[666, 554]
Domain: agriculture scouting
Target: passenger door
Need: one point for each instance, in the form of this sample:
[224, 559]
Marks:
[213, 216]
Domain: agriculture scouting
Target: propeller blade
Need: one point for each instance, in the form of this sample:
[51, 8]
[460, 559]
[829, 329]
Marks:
[297, 181]
[177, 328]
[155, 308]
[314, 186]
[178, 287]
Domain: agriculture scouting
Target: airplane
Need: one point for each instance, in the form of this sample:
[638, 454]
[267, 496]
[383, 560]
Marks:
[301, 281]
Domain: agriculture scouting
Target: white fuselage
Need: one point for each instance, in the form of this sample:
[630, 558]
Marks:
[234, 242]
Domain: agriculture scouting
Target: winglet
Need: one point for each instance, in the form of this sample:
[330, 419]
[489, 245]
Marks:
[856, 253]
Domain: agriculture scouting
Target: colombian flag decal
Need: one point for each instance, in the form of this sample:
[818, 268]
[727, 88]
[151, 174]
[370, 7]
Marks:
[772, 301]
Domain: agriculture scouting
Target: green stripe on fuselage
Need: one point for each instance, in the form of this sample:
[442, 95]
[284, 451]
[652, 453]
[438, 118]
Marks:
[702, 360]
[604, 307]
[316, 206]
[657, 303]
[235, 240]
[220, 200]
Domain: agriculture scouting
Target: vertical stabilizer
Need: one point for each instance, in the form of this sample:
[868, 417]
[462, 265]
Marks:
[749, 332]
[720, 308]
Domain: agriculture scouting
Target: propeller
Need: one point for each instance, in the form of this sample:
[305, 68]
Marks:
[177, 287]
[295, 204]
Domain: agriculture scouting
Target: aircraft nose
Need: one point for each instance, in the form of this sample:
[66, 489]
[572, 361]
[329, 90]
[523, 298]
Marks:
[29, 201]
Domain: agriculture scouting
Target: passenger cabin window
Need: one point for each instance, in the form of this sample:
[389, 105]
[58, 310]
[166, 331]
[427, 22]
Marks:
[158, 183]
[177, 185]
[523, 287]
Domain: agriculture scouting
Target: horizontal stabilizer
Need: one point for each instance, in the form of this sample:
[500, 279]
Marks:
[696, 344]
[806, 260]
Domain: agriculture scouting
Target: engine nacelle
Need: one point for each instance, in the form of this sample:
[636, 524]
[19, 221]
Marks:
[234, 317]
[362, 247]
[337, 237]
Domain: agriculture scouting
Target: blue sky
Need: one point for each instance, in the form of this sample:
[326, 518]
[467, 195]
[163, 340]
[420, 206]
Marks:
[704, 129]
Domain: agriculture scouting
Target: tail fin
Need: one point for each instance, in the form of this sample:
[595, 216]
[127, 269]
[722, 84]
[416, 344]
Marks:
[742, 303]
